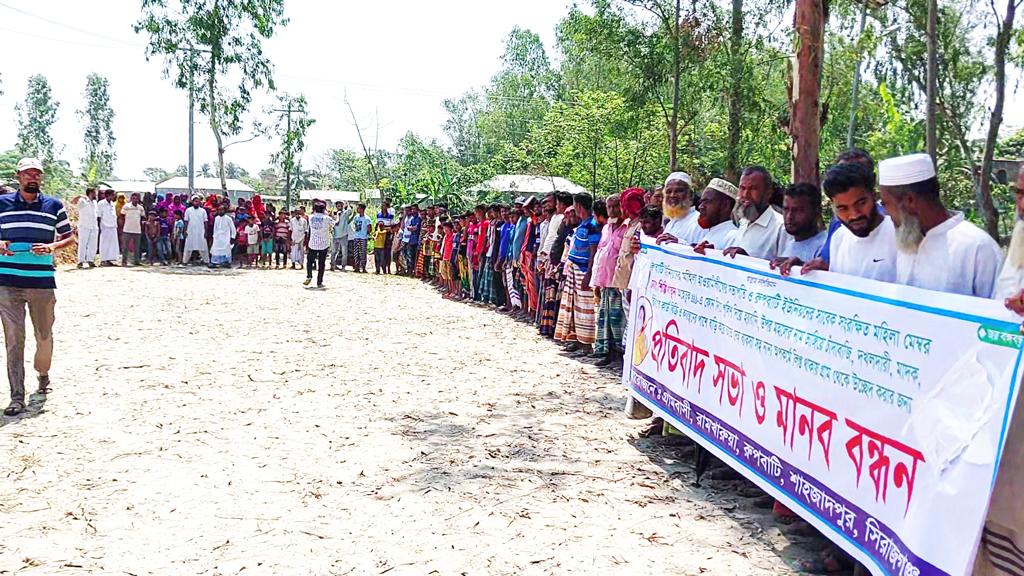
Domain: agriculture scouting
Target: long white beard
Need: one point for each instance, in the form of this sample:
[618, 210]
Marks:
[909, 235]
[1015, 255]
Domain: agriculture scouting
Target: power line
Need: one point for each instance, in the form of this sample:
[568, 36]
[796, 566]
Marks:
[64, 40]
[68, 26]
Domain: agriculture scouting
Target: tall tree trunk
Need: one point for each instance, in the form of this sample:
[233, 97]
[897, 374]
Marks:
[932, 82]
[732, 157]
[215, 126]
[805, 112]
[985, 204]
[673, 128]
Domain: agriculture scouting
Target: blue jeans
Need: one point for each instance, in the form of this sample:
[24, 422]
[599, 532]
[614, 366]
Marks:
[163, 248]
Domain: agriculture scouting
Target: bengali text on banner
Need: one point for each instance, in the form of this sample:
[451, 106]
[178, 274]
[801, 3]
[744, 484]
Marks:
[875, 411]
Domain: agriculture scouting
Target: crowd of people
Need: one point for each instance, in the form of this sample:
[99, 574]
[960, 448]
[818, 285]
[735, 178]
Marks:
[561, 262]
[153, 229]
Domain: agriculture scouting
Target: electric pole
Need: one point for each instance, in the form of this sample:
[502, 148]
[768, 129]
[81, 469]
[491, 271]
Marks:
[191, 117]
[288, 155]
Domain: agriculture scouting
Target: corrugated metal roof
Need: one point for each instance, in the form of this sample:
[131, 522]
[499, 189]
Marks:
[527, 184]
[179, 183]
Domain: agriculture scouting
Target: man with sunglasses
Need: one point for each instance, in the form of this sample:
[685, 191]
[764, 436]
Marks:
[32, 227]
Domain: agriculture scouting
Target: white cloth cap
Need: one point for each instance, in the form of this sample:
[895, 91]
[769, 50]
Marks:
[904, 170]
[680, 176]
[725, 187]
[29, 164]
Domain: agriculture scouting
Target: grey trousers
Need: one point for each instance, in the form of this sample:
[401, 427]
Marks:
[40, 303]
[339, 256]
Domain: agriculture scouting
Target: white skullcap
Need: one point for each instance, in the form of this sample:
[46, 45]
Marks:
[725, 187]
[680, 176]
[904, 170]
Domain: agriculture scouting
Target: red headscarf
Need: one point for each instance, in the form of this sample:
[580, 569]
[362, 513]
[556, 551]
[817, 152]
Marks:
[258, 209]
[632, 202]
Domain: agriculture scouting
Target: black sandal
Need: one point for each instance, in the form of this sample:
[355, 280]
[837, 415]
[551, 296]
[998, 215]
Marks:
[44, 385]
[14, 409]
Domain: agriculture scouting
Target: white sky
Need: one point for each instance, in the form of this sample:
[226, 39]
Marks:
[395, 58]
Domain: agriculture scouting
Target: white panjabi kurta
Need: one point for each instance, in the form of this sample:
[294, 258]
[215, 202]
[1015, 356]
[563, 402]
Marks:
[109, 248]
[686, 229]
[223, 232]
[955, 257]
[195, 231]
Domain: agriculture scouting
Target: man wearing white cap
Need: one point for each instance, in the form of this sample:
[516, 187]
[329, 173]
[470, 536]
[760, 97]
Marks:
[195, 232]
[716, 205]
[865, 244]
[34, 227]
[937, 249]
[761, 228]
[110, 250]
[682, 223]
[88, 227]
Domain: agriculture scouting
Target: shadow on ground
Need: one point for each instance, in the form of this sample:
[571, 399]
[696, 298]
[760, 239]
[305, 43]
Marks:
[34, 408]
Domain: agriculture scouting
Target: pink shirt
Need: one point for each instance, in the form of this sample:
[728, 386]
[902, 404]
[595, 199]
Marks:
[607, 254]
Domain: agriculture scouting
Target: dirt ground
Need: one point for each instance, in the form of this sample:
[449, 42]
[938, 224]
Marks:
[235, 422]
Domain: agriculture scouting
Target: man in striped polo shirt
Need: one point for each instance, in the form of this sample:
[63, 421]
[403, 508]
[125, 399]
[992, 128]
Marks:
[32, 228]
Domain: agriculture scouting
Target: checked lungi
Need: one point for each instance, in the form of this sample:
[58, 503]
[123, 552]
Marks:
[576, 309]
[610, 321]
[483, 287]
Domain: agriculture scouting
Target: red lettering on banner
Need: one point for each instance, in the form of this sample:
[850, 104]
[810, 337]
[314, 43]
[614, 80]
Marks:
[671, 352]
[760, 396]
[796, 416]
[729, 376]
[878, 469]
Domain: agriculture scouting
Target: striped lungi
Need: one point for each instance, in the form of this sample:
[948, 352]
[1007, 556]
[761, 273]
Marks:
[529, 281]
[610, 317]
[512, 287]
[549, 307]
[576, 309]
[419, 260]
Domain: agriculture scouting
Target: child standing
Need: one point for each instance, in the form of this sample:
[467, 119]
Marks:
[282, 232]
[163, 243]
[380, 240]
[178, 236]
[266, 240]
[252, 241]
[152, 234]
[444, 268]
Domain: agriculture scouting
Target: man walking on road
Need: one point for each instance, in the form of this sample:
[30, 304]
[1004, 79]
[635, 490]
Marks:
[34, 227]
[318, 242]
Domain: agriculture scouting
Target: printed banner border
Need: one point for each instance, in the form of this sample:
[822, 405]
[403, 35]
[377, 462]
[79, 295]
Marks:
[962, 316]
[1004, 325]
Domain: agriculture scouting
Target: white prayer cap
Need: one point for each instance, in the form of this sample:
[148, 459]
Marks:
[904, 170]
[724, 186]
[680, 176]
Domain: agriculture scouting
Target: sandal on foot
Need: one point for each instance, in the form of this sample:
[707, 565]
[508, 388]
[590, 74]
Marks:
[14, 409]
[44, 385]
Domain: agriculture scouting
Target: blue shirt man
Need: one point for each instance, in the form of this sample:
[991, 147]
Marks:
[32, 228]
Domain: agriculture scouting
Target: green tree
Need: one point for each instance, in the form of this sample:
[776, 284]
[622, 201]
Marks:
[156, 174]
[215, 41]
[98, 116]
[36, 117]
[291, 130]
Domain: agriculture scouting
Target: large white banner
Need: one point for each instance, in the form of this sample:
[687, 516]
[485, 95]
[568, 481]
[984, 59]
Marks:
[875, 411]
